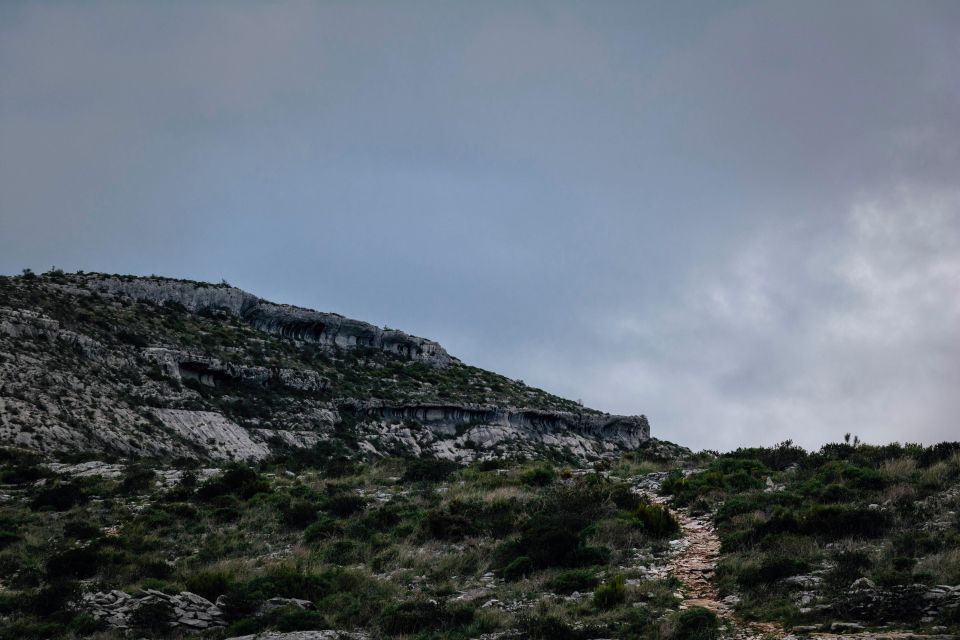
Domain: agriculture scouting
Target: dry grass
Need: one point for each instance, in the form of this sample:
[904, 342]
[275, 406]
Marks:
[943, 566]
[898, 470]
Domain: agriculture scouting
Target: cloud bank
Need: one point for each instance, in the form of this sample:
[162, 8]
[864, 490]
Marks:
[741, 220]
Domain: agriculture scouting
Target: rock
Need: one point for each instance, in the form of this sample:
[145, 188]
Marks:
[842, 627]
[279, 603]
[861, 584]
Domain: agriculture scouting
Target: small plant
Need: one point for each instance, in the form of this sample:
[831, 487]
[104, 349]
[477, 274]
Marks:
[696, 623]
[539, 476]
[611, 593]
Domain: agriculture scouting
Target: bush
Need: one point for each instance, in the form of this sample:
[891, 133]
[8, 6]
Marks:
[136, 479]
[209, 584]
[80, 530]
[835, 522]
[323, 528]
[518, 568]
[59, 496]
[344, 505]
[298, 514]
[239, 481]
[769, 571]
[655, 520]
[611, 593]
[539, 476]
[696, 623]
[429, 470]
[73, 563]
[8, 538]
[572, 580]
[152, 617]
[410, 617]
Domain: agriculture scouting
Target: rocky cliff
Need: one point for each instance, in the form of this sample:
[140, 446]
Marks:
[167, 368]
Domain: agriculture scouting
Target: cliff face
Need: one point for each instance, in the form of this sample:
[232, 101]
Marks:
[294, 323]
[164, 368]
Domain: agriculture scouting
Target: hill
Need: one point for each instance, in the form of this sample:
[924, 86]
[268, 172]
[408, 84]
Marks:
[162, 368]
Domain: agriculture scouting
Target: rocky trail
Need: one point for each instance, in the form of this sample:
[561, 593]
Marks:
[694, 564]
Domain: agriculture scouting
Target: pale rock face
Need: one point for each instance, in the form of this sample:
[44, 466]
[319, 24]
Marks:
[305, 325]
[207, 370]
[219, 437]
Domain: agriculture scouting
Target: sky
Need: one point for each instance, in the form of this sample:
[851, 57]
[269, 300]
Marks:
[741, 219]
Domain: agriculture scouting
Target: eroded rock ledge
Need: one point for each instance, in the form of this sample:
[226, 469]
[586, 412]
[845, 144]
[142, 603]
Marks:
[295, 323]
[183, 365]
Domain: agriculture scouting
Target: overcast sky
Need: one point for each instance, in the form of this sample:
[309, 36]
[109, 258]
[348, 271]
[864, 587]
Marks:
[740, 219]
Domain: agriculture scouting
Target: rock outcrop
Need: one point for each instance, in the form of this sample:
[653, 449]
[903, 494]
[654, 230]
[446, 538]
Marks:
[185, 611]
[164, 368]
[209, 371]
[295, 323]
[626, 431]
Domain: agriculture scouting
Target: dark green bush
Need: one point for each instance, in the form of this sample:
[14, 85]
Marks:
[410, 617]
[429, 470]
[59, 496]
[298, 514]
[696, 623]
[539, 476]
[8, 538]
[571, 580]
[80, 530]
[137, 479]
[655, 520]
[74, 563]
[152, 617]
[209, 584]
[769, 571]
[238, 481]
[444, 525]
[611, 593]
[834, 521]
[518, 568]
[323, 528]
[344, 505]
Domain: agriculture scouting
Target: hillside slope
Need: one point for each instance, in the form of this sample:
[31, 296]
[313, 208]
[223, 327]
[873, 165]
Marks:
[131, 366]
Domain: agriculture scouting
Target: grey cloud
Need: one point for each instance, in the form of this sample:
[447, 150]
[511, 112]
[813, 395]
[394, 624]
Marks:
[738, 219]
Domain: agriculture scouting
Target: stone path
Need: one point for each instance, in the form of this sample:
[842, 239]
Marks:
[694, 566]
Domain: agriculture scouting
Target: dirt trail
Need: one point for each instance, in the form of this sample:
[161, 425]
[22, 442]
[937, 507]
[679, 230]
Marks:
[694, 566]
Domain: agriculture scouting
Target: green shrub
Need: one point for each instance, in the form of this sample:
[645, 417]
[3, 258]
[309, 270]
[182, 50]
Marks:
[444, 525]
[834, 521]
[209, 584]
[410, 617]
[571, 580]
[344, 505]
[518, 568]
[323, 528]
[59, 496]
[80, 530]
[73, 563]
[238, 481]
[655, 520]
[539, 476]
[769, 571]
[152, 617]
[429, 470]
[298, 514]
[8, 538]
[696, 623]
[611, 593]
[136, 479]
